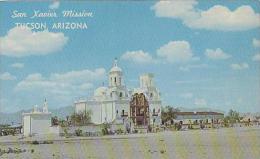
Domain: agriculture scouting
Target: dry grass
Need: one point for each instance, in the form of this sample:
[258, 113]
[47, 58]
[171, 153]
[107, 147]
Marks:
[220, 143]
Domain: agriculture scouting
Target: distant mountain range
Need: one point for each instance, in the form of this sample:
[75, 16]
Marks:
[16, 118]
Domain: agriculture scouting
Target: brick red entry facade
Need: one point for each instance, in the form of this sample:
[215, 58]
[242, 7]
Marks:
[139, 110]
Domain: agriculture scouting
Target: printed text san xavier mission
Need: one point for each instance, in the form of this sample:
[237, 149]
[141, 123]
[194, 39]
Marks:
[39, 17]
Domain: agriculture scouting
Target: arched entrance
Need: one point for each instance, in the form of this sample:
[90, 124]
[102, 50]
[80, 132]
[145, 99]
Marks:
[139, 110]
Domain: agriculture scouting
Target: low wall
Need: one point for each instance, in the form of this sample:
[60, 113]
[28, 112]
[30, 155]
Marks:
[56, 130]
[89, 130]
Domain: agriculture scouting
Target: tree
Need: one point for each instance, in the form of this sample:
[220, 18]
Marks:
[105, 127]
[81, 118]
[169, 113]
[232, 117]
[55, 120]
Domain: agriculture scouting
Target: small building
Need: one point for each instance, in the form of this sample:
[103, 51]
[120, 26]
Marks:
[37, 122]
[10, 129]
[197, 117]
[249, 118]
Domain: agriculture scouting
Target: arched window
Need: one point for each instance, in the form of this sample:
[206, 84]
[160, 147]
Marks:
[151, 95]
[115, 79]
[154, 110]
[120, 94]
[123, 112]
[116, 111]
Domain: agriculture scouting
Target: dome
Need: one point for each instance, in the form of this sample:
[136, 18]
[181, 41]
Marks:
[115, 68]
[101, 91]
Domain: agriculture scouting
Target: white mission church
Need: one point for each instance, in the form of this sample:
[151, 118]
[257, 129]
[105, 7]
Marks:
[112, 103]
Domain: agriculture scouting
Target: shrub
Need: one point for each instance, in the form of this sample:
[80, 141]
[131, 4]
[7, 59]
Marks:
[78, 132]
[47, 142]
[35, 142]
[119, 131]
[149, 128]
[105, 128]
[104, 131]
[177, 126]
[135, 131]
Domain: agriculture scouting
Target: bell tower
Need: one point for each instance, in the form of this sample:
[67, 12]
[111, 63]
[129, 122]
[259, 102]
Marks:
[45, 107]
[115, 75]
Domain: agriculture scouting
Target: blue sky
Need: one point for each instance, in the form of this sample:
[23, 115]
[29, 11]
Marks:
[203, 54]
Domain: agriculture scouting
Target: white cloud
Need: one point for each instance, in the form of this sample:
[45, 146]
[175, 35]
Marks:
[192, 66]
[186, 95]
[138, 57]
[256, 57]
[241, 66]
[176, 52]
[215, 18]
[256, 42]
[17, 65]
[217, 54]
[221, 18]
[200, 102]
[6, 76]
[175, 9]
[22, 41]
[54, 5]
[68, 84]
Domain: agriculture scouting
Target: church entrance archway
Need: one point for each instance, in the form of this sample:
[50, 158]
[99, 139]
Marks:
[139, 110]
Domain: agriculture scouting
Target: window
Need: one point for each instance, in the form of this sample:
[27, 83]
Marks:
[115, 79]
[120, 94]
[123, 112]
[153, 111]
[151, 95]
[116, 111]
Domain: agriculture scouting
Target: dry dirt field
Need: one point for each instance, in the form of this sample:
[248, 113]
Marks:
[228, 143]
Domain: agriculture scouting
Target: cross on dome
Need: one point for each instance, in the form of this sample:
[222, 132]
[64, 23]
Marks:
[115, 62]
[115, 67]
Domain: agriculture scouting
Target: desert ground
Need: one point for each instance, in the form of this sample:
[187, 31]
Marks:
[229, 143]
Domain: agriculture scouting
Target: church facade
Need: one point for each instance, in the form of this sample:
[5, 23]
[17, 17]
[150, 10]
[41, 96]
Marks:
[112, 103]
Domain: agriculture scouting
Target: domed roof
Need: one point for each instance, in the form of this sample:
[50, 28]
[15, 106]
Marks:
[115, 68]
[101, 91]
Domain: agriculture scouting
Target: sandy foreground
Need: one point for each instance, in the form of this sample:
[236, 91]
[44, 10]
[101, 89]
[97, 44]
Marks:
[229, 143]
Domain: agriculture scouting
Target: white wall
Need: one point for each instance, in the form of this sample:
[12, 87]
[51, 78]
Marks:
[55, 130]
[157, 106]
[36, 124]
[40, 124]
[96, 112]
[80, 107]
[26, 125]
